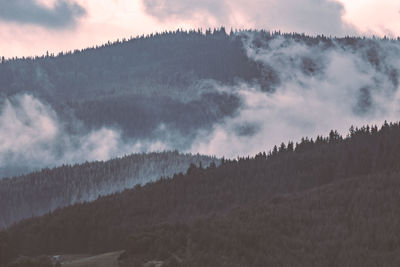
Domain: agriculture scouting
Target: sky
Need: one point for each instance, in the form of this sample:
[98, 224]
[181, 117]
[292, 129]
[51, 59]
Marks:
[32, 27]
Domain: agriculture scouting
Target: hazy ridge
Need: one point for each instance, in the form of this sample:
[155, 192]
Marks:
[44, 191]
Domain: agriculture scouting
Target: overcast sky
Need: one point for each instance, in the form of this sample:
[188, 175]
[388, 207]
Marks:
[31, 27]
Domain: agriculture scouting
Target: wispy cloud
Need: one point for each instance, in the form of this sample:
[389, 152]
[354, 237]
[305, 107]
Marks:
[32, 136]
[316, 89]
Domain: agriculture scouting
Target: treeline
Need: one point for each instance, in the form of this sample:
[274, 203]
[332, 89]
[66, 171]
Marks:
[370, 153]
[41, 192]
[164, 64]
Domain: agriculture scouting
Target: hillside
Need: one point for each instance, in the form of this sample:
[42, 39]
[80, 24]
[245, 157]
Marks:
[185, 89]
[316, 202]
[354, 222]
[44, 191]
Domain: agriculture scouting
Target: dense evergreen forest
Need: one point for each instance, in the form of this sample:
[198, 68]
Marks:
[43, 191]
[331, 201]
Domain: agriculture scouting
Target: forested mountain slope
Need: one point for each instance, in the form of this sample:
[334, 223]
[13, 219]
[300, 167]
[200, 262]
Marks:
[186, 90]
[44, 191]
[296, 198]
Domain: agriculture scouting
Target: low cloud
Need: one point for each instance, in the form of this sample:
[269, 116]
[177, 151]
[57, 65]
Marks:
[309, 16]
[33, 137]
[62, 14]
[317, 88]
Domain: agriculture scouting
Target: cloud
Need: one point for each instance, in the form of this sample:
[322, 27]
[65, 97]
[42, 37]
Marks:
[62, 14]
[33, 137]
[320, 88]
[309, 16]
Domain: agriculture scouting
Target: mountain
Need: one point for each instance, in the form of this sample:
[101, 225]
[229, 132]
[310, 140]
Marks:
[324, 202]
[46, 190]
[210, 92]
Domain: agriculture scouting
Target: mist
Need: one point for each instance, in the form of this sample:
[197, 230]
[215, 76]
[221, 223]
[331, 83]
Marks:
[32, 136]
[309, 90]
